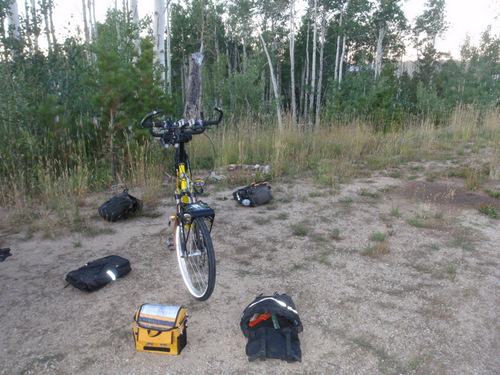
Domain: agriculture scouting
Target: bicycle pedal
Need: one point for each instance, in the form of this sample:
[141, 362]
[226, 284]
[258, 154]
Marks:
[170, 244]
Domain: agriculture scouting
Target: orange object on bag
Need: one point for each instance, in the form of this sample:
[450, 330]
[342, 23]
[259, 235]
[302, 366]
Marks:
[259, 319]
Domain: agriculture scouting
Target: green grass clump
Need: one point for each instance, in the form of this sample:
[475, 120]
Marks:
[378, 237]
[489, 210]
[493, 193]
[300, 229]
[376, 250]
[335, 234]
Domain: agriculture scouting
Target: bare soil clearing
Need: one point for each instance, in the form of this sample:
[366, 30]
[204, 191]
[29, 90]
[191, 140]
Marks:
[389, 275]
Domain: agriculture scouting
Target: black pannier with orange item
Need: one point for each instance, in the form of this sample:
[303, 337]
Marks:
[272, 326]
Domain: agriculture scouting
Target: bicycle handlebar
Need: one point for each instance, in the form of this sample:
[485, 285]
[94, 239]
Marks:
[169, 126]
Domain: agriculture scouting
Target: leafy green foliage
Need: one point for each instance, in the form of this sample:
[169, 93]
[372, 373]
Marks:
[71, 113]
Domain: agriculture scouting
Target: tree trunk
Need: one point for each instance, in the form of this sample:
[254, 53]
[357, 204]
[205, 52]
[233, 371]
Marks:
[85, 23]
[28, 27]
[193, 95]
[228, 58]
[292, 62]
[92, 26]
[244, 54]
[320, 75]
[45, 13]
[93, 21]
[306, 82]
[380, 50]
[36, 29]
[216, 42]
[159, 35]
[51, 20]
[169, 50]
[302, 90]
[112, 142]
[134, 10]
[313, 67]
[342, 57]
[263, 80]
[14, 24]
[236, 57]
[275, 85]
[337, 54]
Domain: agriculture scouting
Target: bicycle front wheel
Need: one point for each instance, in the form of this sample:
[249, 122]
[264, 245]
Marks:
[196, 257]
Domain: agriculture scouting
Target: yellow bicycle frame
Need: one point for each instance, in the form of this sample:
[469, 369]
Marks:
[184, 188]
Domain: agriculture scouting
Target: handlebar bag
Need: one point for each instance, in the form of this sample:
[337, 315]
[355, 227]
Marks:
[160, 329]
[96, 274]
[119, 207]
[272, 326]
[258, 193]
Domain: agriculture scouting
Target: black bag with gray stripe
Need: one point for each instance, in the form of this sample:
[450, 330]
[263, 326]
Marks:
[96, 274]
[272, 326]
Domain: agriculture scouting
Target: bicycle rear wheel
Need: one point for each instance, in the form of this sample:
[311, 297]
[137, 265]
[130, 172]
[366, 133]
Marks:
[196, 258]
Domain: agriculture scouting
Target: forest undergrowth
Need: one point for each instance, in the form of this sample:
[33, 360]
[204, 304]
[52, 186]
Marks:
[333, 153]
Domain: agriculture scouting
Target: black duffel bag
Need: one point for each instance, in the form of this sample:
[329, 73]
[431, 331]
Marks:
[98, 273]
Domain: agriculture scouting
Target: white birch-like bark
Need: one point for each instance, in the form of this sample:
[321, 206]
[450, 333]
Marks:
[92, 25]
[169, 49]
[45, 14]
[320, 75]
[380, 50]
[51, 21]
[34, 21]
[337, 54]
[342, 57]
[93, 22]
[305, 86]
[292, 61]
[13, 21]
[159, 35]
[244, 54]
[28, 26]
[85, 23]
[275, 85]
[313, 65]
[134, 11]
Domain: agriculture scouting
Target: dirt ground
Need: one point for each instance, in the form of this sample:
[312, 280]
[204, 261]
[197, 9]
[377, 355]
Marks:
[391, 274]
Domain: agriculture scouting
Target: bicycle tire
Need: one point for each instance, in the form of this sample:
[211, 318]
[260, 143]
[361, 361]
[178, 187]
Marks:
[196, 258]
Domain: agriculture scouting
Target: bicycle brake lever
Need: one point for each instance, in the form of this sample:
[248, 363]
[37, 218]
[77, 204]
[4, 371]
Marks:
[165, 143]
[149, 115]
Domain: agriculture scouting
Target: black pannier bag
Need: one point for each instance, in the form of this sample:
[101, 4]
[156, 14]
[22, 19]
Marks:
[272, 326]
[98, 273]
[120, 206]
[257, 193]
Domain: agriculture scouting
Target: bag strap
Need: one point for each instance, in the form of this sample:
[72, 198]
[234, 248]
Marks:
[158, 333]
[289, 357]
[262, 351]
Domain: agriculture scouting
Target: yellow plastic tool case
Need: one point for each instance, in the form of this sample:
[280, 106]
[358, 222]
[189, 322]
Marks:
[160, 328]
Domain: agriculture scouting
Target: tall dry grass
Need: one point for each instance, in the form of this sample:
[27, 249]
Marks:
[334, 152]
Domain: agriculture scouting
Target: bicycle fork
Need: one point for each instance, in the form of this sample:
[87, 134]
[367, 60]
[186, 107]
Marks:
[171, 242]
